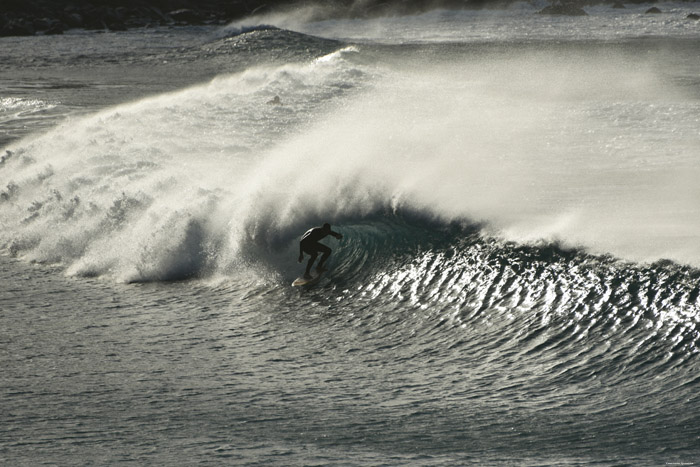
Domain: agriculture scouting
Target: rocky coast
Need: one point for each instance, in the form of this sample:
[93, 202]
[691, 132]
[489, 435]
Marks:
[30, 17]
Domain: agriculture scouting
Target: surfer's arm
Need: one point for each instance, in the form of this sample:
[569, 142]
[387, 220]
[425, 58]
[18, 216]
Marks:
[301, 254]
[336, 235]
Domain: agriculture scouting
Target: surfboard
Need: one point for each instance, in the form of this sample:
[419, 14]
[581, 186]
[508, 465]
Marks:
[302, 281]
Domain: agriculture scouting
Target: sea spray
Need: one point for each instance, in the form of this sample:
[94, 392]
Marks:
[526, 145]
[108, 193]
[533, 156]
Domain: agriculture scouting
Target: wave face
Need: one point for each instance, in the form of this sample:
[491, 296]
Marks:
[461, 278]
[534, 345]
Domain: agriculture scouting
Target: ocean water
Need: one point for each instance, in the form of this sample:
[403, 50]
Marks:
[518, 281]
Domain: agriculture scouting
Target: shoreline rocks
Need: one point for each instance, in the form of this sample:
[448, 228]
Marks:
[30, 17]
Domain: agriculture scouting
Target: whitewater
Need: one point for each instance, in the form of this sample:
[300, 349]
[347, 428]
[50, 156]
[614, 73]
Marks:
[518, 281]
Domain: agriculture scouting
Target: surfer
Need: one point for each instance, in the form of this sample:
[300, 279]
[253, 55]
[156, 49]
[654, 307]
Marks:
[309, 245]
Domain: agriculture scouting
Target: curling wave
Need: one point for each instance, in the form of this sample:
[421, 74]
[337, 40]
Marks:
[583, 316]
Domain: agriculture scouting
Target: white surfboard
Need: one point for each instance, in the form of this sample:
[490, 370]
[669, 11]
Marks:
[302, 281]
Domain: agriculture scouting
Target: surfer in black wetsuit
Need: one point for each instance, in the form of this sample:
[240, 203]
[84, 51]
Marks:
[309, 245]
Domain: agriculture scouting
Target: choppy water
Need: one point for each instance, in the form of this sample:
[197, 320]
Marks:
[518, 280]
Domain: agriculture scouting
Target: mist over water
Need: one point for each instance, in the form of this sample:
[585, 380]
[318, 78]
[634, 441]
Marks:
[592, 149]
[516, 23]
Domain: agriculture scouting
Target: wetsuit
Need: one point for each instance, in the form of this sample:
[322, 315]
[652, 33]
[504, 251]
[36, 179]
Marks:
[310, 245]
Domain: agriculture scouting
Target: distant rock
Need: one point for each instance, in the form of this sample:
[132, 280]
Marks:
[653, 11]
[186, 16]
[563, 9]
[693, 16]
[48, 26]
[17, 27]
[72, 19]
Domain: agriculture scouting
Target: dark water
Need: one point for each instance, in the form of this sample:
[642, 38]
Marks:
[517, 284]
[440, 351]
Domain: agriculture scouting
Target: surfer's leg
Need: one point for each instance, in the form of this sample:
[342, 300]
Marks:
[313, 255]
[326, 253]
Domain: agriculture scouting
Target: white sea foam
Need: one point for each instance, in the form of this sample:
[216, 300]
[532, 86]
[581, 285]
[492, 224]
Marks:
[595, 150]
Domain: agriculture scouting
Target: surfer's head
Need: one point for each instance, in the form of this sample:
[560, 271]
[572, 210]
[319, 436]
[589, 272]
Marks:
[327, 227]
